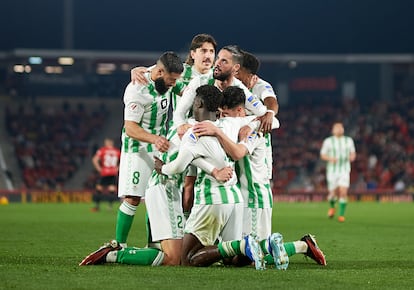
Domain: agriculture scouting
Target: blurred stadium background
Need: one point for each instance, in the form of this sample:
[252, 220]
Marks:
[64, 66]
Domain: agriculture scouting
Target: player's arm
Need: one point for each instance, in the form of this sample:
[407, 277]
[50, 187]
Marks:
[324, 154]
[183, 107]
[138, 75]
[95, 162]
[135, 131]
[222, 175]
[235, 151]
[267, 119]
[352, 154]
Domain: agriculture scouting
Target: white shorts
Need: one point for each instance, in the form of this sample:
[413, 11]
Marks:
[257, 221]
[165, 212]
[209, 222]
[135, 170]
[335, 180]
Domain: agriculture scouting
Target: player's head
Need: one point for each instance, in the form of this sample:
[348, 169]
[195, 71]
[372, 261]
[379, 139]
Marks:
[338, 129]
[228, 62]
[202, 52]
[233, 102]
[168, 68]
[206, 103]
[108, 142]
[248, 69]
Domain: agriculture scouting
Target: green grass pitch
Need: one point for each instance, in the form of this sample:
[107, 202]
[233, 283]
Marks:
[42, 244]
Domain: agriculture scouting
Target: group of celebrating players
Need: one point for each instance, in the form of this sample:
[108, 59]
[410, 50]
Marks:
[196, 143]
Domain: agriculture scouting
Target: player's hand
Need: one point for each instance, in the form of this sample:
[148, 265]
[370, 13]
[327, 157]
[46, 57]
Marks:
[182, 129]
[222, 175]
[158, 164]
[244, 132]
[162, 144]
[137, 75]
[205, 129]
[253, 80]
[266, 122]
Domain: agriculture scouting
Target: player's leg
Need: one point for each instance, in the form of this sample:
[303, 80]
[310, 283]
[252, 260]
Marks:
[188, 194]
[197, 234]
[343, 200]
[166, 220]
[332, 193]
[343, 185]
[134, 172]
[97, 197]
[112, 194]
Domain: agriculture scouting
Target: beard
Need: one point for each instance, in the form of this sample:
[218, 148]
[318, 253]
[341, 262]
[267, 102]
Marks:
[160, 86]
[221, 76]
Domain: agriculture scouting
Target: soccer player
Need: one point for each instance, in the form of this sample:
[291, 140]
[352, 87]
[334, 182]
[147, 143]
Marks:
[264, 91]
[165, 215]
[199, 62]
[338, 151]
[106, 163]
[255, 187]
[143, 136]
[217, 205]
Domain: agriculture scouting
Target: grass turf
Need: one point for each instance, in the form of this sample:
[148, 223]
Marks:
[42, 244]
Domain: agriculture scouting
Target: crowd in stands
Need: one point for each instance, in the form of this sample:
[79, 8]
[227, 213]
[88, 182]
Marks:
[51, 143]
[383, 134]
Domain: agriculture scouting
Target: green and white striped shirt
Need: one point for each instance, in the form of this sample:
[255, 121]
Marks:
[339, 148]
[252, 174]
[145, 106]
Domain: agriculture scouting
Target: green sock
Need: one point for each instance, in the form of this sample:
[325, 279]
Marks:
[269, 259]
[264, 244]
[140, 256]
[332, 203]
[230, 248]
[290, 248]
[342, 207]
[126, 213]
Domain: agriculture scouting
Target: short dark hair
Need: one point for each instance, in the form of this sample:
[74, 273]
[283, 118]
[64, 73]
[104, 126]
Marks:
[171, 62]
[211, 96]
[197, 42]
[236, 53]
[250, 62]
[233, 97]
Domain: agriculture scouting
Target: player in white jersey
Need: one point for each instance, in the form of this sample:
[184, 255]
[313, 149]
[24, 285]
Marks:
[199, 62]
[143, 135]
[255, 187]
[226, 67]
[217, 204]
[165, 215]
[264, 91]
[338, 151]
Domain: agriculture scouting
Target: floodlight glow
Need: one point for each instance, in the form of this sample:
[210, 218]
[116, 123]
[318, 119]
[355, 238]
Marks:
[35, 60]
[66, 60]
[53, 69]
[18, 68]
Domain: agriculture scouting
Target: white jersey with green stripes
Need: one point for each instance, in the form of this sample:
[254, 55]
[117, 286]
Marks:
[188, 74]
[181, 114]
[145, 106]
[339, 148]
[252, 174]
[176, 180]
[262, 89]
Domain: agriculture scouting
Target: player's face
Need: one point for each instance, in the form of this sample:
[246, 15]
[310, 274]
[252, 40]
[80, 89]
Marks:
[338, 129]
[244, 76]
[224, 67]
[203, 57]
[234, 112]
[168, 80]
